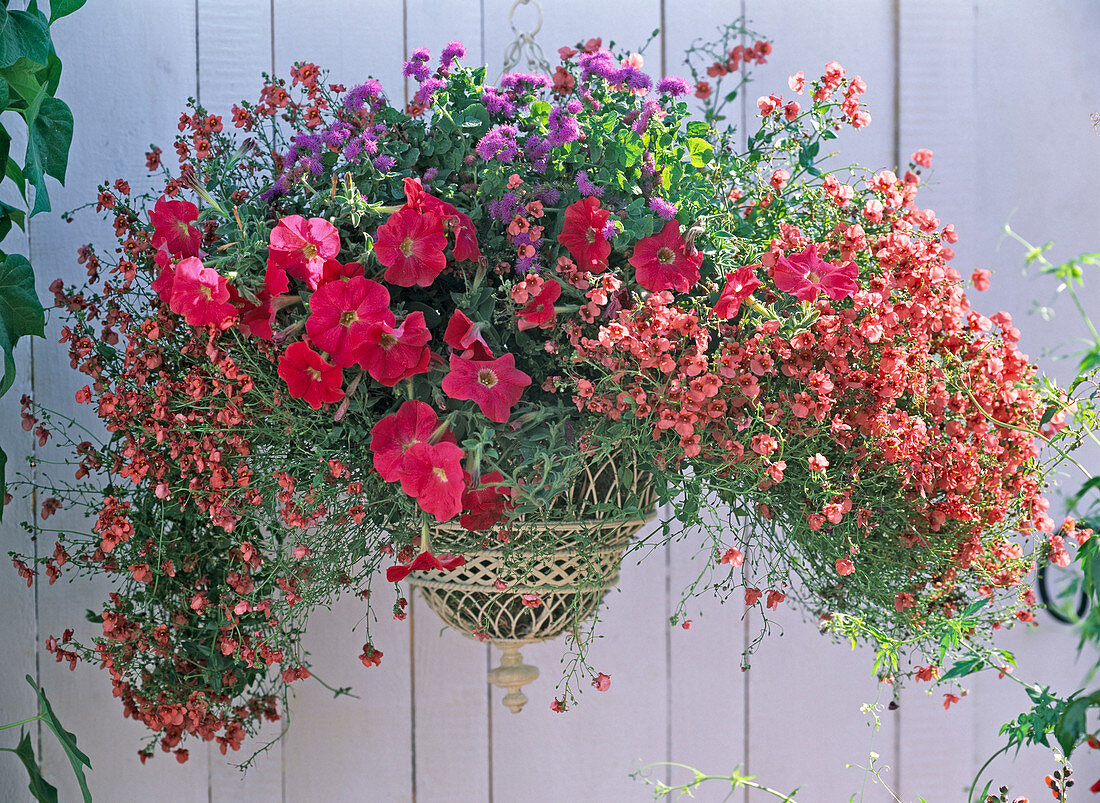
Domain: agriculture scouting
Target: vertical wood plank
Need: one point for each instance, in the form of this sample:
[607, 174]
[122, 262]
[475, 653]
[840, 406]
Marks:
[152, 47]
[234, 48]
[337, 748]
[937, 52]
[805, 692]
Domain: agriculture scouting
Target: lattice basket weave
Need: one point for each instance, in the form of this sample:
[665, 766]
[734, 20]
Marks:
[570, 583]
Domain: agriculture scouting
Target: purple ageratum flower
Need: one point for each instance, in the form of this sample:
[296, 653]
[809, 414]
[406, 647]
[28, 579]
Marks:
[315, 166]
[369, 91]
[610, 229]
[337, 135]
[429, 175]
[563, 127]
[276, 189]
[353, 150]
[415, 67]
[499, 143]
[370, 144]
[383, 163]
[574, 106]
[664, 209]
[634, 78]
[649, 108]
[425, 96]
[673, 86]
[506, 207]
[537, 152]
[517, 81]
[546, 193]
[587, 187]
[526, 265]
[600, 63]
[496, 103]
[453, 50]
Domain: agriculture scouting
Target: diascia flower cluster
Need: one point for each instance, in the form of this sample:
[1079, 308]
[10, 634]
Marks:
[338, 326]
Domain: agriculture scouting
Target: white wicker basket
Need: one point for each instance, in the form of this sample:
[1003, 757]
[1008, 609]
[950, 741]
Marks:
[570, 583]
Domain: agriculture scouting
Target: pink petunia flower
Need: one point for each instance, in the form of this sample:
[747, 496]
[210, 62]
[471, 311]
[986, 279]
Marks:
[432, 474]
[582, 233]
[309, 377]
[740, 284]
[466, 248]
[390, 353]
[424, 562]
[172, 229]
[342, 314]
[464, 336]
[410, 245]
[494, 385]
[395, 434]
[300, 248]
[804, 275]
[487, 503]
[200, 294]
[540, 311]
[661, 261]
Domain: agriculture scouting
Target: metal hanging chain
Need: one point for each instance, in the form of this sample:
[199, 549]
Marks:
[524, 44]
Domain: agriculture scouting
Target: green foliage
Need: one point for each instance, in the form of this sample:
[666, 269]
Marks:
[29, 73]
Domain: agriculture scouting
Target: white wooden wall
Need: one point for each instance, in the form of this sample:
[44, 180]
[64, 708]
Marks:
[1001, 90]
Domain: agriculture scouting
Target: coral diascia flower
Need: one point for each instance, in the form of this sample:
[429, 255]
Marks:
[410, 244]
[661, 261]
[200, 294]
[172, 227]
[391, 354]
[342, 313]
[300, 248]
[582, 233]
[740, 284]
[495, 385]
[309, 377]
[806, 274]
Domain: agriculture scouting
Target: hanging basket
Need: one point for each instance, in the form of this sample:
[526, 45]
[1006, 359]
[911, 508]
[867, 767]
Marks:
[570, 583]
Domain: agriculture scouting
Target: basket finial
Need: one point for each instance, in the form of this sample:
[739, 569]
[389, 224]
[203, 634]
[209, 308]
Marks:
[512, 674]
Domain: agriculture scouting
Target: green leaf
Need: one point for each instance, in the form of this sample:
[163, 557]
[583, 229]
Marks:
[52, 73]
[40, 788]
[697, 128]
[23, 35]
[22, 80]
[67, 739]
[701, 151]
[20, 311]
[51, 134]
[1069, 729]
[5, 98]
[63, 8]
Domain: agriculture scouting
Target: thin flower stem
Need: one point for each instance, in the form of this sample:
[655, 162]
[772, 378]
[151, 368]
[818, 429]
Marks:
[21, 722]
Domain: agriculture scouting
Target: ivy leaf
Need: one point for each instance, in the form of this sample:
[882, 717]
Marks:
[63, 8]
[1070, 727]
[20, 311]
[51, 134]
[23, 35]
[40, 788]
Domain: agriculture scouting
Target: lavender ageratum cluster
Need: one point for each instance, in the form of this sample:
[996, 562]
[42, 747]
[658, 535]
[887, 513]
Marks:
[499, 143]
[641, 122]
[425, 96]
[585, 185]
[600, 63]
[563, 126]
[497, 103]
[663, 208]
[417, 65]
[673, 85]
[518, 82]
[453, 51]
[367, 93]
[506, 207]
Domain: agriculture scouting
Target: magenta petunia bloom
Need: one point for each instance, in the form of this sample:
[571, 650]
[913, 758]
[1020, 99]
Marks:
[583, 234]
[410, 245]
[806, 274]
[740, 284]
[466, 247]
[200, 294]
[300, 248]
[661, 261]
[494, 385]
[342, 314]
[433, 475]
[540, 311]
[392, 436]
[253, 319]
[424, 562]
[172, 227]
[464, 336]
[391, 354]
[309, 377]
[486, 504]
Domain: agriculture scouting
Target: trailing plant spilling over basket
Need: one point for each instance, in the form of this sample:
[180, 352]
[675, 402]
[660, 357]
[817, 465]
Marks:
[475, 342]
